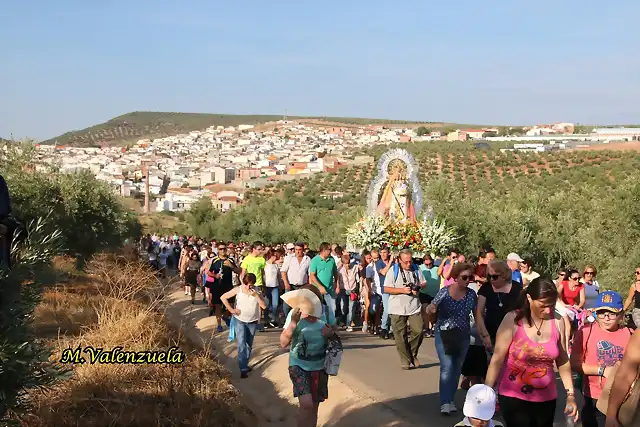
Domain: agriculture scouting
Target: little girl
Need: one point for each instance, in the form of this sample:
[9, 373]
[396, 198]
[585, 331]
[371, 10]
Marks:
[247, 313]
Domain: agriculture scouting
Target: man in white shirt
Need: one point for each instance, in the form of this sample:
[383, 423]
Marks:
[295, 271]
[527, 273]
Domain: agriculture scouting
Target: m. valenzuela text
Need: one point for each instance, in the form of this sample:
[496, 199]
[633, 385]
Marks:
[120, 356]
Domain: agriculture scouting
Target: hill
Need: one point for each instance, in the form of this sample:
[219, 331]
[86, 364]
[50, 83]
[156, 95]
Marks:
[146, 124]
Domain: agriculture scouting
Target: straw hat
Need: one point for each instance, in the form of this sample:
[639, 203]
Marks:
[305, 300]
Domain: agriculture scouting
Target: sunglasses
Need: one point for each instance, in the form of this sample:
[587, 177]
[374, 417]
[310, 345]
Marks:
[562, 273]
[575, 278]
[637, 272]
[465, 278]
[590, 273]
[494, 276]
[222, 248]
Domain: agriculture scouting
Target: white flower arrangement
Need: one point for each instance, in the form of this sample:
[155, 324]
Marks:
[436, 236]
[376, 231]
[368, 233]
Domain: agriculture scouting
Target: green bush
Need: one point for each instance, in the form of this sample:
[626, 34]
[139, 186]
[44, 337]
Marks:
[90, 215]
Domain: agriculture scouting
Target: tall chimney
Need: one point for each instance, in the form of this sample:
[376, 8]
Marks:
[146, 189]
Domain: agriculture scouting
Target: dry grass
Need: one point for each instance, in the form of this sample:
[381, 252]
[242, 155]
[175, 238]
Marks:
[120, 307]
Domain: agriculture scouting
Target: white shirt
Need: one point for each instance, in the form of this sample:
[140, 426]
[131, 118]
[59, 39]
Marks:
[297, 271]
[248, 306]
[271, 275]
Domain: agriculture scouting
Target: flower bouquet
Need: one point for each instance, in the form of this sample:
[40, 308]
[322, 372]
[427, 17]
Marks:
[428, 236]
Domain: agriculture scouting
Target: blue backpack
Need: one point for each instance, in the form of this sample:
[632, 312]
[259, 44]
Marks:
[414, 269]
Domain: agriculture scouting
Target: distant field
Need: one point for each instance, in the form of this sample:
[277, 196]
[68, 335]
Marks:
[471, 170]
[146, 124]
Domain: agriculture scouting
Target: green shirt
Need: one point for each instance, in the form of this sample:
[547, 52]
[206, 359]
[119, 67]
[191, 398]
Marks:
[433, 280]
[255, 265]
[308, 346]
[324, 270]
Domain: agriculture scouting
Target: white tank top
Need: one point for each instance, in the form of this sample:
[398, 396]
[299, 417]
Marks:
[248, 306]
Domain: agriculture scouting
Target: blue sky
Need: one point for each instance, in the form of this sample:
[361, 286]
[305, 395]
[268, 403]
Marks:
[70, 64]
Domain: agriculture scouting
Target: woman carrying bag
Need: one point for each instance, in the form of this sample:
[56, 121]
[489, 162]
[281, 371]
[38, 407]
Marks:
[307, 333]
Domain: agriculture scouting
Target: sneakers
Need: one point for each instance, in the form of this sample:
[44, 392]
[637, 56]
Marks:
[244, 374]
[448, 408]
[219, 328]
[364, 327]
[384, 334]
[416, 362]
[349, 328]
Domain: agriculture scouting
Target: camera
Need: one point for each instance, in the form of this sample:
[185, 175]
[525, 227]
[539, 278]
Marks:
[415, 288]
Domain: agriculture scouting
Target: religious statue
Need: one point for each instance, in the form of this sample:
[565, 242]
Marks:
[396, 201]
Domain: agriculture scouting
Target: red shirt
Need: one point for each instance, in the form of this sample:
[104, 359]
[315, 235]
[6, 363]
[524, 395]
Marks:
[571, 297]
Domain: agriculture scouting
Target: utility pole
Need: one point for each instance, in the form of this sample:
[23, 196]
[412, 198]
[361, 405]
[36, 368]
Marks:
[145, 171]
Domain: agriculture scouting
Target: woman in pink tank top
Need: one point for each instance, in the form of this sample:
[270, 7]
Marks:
[528, 344]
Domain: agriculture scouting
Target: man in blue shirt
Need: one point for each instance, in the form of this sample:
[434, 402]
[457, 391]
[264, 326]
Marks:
[376, 272]
[514, 260]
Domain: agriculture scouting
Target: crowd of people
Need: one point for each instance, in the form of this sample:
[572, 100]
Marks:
[496, 323]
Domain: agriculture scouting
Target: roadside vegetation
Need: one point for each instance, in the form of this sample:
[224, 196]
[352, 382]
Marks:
[63, 292]
[118, 302]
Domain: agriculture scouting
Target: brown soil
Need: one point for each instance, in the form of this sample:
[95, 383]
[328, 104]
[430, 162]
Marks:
[633, 146]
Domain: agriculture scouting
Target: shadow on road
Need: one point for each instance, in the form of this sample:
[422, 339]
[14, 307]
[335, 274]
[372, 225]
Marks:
[370, 415]
[262, 396]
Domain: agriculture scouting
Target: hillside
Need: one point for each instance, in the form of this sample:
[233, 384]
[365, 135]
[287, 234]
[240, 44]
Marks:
[146, 124]
[472, 171]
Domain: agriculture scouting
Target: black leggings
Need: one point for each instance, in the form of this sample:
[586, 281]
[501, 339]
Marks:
[520, 413]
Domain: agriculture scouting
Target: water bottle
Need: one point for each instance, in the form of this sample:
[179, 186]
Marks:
[570, 418]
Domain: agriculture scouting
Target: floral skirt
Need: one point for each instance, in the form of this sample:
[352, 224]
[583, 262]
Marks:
[315, 383]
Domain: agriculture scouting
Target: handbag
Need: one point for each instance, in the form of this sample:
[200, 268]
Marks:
[333, 356]
[452, 341]
[627, 415]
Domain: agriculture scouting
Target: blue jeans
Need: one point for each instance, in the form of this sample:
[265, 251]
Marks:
[331, 303]
[272, 297]
[450, 369]
[244, 337]
[384, 323]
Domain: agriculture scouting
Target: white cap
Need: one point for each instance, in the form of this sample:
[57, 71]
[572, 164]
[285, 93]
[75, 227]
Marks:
[480, 403]
[290, 246]
[514, 257]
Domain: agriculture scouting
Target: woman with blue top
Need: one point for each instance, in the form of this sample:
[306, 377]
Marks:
[306, 332]
[451, 307]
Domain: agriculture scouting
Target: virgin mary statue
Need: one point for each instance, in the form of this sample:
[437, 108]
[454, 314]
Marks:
[396, 200]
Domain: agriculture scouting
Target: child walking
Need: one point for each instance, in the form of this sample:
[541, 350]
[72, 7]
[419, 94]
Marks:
[247, 313]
